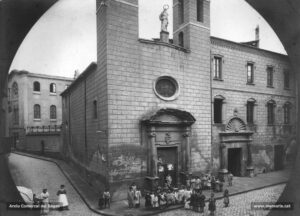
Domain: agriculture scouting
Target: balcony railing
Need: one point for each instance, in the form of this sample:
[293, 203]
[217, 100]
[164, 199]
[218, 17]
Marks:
[45, 129]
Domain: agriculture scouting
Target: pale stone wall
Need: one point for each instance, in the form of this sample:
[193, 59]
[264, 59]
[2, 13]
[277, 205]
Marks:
[236, 92]
[27, 98]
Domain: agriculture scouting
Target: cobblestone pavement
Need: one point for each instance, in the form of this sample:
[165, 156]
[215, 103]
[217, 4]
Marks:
[38, 174]
[240, 205]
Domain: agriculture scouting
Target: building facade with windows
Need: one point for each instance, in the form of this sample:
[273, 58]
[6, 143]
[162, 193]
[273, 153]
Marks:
[34, 109]
[194, 104]
[257, 87]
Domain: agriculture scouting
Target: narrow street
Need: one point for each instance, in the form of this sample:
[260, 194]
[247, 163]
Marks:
[38, 174]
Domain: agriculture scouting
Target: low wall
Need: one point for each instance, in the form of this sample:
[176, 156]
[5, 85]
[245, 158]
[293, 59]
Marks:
[43, 143]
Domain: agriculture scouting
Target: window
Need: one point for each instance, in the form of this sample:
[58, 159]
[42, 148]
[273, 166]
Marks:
[271, 112]
[218, 106]
[286, 113]
[250, 73]
[53, 112]
[166, 88]
[200, 10]
[250, 111]
[15, 90]
[37, 111]
[270, 71]
[36, 86]
[286, 78]
[180, 12]
[217, 67]
[52, 88]
[16, 115]
[95, 109]
[180, 39]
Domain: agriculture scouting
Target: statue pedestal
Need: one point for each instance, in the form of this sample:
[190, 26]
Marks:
[164, 36]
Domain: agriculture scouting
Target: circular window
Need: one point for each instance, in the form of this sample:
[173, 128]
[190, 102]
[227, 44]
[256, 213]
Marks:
[166, 88]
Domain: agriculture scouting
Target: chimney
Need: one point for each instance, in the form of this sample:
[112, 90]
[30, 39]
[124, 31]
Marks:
[76, 74]
[257, 35]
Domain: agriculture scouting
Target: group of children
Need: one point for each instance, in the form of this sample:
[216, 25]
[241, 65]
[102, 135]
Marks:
[206, 182]
[190, 195]
[162, 198]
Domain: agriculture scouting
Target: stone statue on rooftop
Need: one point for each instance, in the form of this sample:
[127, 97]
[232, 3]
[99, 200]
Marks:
[164, 18]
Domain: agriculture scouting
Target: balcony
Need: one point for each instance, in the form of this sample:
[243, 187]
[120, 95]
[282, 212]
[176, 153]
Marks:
[43, 130]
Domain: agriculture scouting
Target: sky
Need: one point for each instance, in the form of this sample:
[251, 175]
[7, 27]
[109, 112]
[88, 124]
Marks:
[64, 39]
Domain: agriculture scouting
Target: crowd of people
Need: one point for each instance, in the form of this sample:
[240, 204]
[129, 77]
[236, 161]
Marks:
[192, 199]
[189, 195]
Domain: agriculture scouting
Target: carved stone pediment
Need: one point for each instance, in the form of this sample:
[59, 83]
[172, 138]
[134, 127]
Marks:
[236, 125]
[168, 116]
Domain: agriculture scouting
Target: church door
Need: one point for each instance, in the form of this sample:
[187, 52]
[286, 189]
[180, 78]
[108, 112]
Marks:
[167, 164]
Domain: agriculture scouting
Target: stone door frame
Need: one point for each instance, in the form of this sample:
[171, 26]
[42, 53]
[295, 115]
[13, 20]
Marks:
[178, 122]
[236, 136]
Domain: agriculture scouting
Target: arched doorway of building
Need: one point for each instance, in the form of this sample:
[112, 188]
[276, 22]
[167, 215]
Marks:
[235, 150]
[166, 134]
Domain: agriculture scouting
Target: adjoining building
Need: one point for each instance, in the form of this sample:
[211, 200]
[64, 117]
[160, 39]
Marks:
[190, 105]
[34, 111]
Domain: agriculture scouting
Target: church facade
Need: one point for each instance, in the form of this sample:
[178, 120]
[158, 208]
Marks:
[191, 105]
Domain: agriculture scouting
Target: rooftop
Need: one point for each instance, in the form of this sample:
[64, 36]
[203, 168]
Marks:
[37, 75]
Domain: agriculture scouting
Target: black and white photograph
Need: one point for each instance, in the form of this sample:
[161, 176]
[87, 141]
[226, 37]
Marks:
[149, 107]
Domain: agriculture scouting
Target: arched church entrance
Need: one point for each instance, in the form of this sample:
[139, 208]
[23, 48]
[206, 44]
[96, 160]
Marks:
[166, 135]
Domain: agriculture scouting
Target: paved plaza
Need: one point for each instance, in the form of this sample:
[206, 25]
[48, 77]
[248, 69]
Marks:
[36, 172]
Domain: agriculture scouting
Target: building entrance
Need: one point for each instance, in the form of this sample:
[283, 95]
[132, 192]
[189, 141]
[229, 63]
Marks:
[278, 157]
[167, 164]
[234, 161]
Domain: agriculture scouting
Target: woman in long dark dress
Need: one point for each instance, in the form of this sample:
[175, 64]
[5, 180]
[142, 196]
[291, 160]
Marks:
[147, 200]
[212, 204]
[130, 197]
[226, 198]
[101, 201]
[202, 201]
